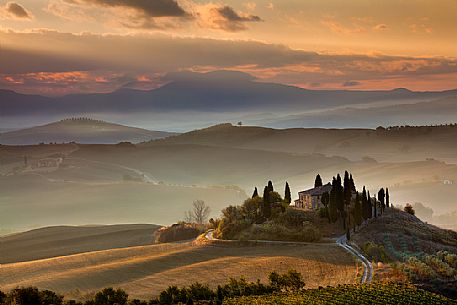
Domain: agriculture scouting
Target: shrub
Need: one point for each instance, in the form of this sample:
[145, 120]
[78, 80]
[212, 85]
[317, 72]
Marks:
[2, 297]
[419, 270]
[72, 302]
[137, 302]
[274, 231]
[198, 292]
[239, 287]
[32, 296]
[110, 296]
[409, 209]
[230, 230]
[294, 218]
[290, 281]
[173, 295]
[323, 213]
[375, 252]
[50, 298]
[180, 231]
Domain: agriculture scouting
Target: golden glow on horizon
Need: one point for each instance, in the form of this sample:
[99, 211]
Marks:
[361, 44]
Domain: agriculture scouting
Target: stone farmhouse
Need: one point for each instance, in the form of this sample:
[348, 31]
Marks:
[311, 199]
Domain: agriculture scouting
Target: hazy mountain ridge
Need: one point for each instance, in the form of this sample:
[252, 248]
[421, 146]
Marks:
[214, 91]
[441, 110]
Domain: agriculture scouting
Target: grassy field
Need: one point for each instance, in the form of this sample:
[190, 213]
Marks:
[144, 271]
[65, 240]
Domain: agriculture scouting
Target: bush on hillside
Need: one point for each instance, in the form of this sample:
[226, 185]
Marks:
[179, 231]
[409, 209]
[246, 223]
[290, 281]
[376, 252]
[294, 218]
[273, 231]
[31, 296]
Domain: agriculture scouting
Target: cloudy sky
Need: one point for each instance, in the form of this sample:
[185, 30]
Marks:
[55, 47]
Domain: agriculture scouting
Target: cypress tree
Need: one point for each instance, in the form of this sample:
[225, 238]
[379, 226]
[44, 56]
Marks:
[318, 181]
[325, 199]
[340, 199]
[287, 195]
[266, 211]
[352, 183]
[374, 209]
[387, 197]
[220, 296]
[347, 196]
[333, 206]
[270, 186]
[255, 194]
[364, 204]
[358, 210]
[381, 198]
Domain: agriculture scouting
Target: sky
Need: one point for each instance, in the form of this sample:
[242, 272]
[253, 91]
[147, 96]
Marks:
[57, 47]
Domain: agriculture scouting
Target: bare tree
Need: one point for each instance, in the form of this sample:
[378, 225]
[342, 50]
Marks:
[199, 213]
[188, 216]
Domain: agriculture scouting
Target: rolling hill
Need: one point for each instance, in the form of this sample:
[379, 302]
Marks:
[441, 110]
[65, 240]
[145, 271]
[80, 130]
[404, 144]
[421, 252]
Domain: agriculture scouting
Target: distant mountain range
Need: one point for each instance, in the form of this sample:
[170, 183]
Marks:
[225, 91]
[80, 130]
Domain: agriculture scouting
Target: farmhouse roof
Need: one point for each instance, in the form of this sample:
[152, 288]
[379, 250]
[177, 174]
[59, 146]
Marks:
[318, 191]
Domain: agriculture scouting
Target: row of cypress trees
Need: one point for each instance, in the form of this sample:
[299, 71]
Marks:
[346, 204]
[271, 198]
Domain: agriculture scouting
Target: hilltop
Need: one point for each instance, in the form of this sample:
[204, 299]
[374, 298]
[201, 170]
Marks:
[80, 130]
[413, 250]
[404, 234]
[393, 144]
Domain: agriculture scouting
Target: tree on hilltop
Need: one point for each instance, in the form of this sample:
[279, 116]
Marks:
[287, 195]
[199, 213]
[270, 186]
[358, 210]
[381, 198]
[364, 204]
[255, 194]
[387, 197]
[266, 206]
[318, 181]
[333, 204]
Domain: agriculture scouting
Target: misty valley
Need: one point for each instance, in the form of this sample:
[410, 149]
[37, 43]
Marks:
[171, 152]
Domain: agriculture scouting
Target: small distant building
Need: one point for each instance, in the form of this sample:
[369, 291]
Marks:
[311, 199]
[48, 163]
[448, 182]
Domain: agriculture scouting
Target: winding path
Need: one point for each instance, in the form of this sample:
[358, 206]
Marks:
[367, 276]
